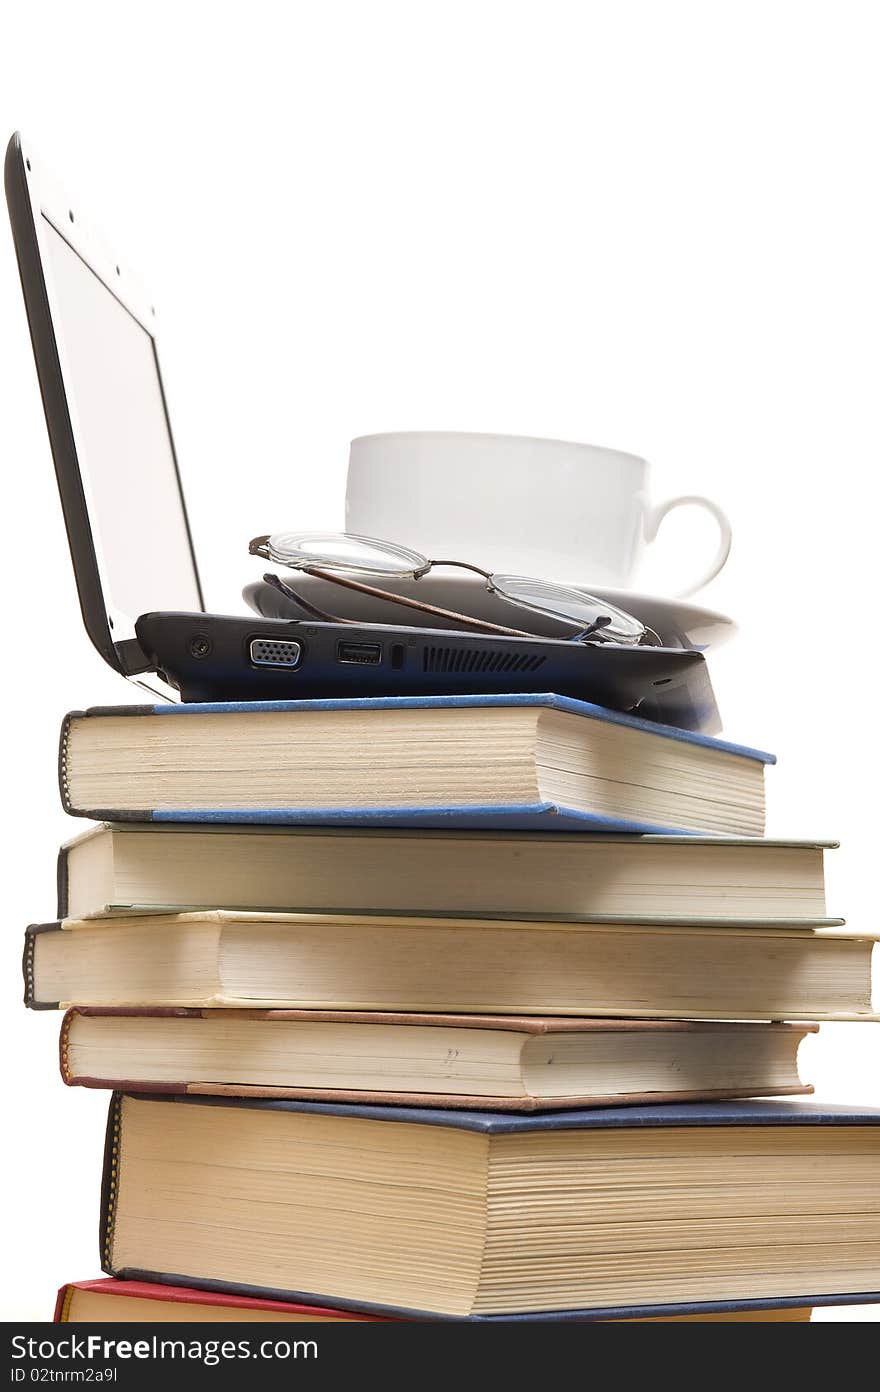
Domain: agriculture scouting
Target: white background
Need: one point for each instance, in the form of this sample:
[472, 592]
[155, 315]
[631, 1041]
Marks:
[649, 226]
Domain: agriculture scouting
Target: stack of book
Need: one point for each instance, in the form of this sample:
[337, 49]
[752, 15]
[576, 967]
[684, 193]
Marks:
[447, 1008]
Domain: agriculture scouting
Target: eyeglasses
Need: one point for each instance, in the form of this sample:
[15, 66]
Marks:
[339, 557]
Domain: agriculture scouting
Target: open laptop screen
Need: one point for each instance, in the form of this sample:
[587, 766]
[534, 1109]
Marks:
[123, 440]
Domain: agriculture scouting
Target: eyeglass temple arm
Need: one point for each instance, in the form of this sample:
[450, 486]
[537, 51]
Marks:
[482, 625]
[312, 609]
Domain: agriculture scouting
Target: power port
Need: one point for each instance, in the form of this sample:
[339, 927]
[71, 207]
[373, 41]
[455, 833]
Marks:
[364, 654]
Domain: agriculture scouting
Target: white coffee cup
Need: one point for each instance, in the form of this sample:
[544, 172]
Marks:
[573, 513]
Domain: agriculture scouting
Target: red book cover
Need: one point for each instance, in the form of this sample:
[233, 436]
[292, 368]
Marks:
[183, 1295]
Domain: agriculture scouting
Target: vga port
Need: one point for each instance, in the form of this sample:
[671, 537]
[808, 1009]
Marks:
[275, 652]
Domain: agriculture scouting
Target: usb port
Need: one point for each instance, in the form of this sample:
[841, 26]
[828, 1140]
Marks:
[365, 654]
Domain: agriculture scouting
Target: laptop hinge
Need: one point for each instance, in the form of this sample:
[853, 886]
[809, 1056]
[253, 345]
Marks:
[132, 658]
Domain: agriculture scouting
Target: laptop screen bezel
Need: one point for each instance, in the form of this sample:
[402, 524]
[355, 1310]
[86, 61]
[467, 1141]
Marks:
[35, 200]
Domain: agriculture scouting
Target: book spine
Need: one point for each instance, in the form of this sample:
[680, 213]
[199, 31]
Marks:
[27, 969]
[114, 1084]
[96, 814]
[63, 751]
[64, 1046]
[27, 965]
[110, 1183]
[62, 884]
[62, 1305]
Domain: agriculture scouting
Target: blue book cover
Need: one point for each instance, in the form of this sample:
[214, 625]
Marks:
[686, 1114]
[746, 1113]
[532, 816]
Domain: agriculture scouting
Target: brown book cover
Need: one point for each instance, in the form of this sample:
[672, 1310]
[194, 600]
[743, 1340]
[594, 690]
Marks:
[520, 1024]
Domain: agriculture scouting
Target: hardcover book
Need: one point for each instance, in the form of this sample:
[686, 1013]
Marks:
[451, 966]
[515, 761]
[501, 1062]
[160, 866]
[473, 1214]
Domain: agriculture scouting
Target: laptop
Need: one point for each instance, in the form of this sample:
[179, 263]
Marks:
[94, 336]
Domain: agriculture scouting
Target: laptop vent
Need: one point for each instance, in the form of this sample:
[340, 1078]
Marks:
[454, 659]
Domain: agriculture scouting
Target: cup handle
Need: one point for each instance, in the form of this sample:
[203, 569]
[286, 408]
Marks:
[656, 515]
